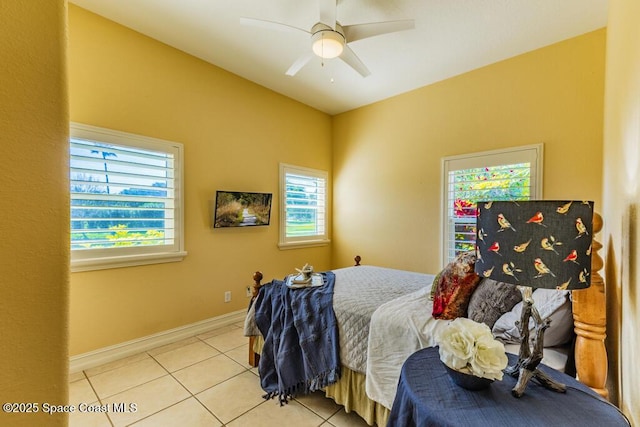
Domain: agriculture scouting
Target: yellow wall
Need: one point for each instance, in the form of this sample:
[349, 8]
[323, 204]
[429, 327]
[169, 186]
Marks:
[621, 197]
[234, 134]
[34, 206]
[387, 156]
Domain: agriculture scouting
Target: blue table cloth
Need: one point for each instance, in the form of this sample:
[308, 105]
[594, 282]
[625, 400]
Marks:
[427, 396]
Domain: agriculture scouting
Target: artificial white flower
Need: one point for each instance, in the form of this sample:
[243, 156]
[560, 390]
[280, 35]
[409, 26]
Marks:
[456, 346]
[469, 347]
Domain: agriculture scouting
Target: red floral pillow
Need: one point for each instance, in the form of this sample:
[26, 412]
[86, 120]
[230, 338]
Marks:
[454, 287]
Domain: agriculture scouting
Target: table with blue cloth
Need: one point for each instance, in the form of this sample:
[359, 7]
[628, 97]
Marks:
[427, 396]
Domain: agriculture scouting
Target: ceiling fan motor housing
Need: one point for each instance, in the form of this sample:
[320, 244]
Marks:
[326, 42]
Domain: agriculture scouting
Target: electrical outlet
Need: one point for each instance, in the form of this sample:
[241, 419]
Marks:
[227, 296]
[248, 292]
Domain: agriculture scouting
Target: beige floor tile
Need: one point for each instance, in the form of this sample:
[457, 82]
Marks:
[271, 414]
[116, 364]
[320, 404]
[344, 419]
[81, 392]
[187, 355]
[208, 373]
[233, 397]
[128, 376]
[88, 419]
[229, 340]
[172, 346]
[240, 355]
[218, 331]
[76, 376]
[148, 398]
[188, 413]
[227, 390]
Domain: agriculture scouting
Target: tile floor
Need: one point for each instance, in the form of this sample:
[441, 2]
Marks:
[201, 381]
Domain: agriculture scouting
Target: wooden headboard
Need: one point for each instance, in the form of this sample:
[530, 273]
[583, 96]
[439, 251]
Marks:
[589, 319]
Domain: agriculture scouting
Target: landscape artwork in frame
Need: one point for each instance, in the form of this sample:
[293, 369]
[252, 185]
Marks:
[241, 209]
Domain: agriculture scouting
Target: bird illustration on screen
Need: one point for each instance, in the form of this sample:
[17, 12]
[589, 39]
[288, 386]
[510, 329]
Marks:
[495, 247]
[504, 223]
[541, 268]
[510, 270]
[537, 219]
[582, 277]
[522, 246]
[564, 208]
[488, 272]
[582, 229]
[564, 286]
[572, 257]
[549, 243]
[481, 235]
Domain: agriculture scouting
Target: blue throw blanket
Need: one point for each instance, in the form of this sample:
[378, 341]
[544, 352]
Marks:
[300, 353]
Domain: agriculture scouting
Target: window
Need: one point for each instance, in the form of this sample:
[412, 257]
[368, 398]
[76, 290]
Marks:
[303, 207]
[511, 174]
[126, 199]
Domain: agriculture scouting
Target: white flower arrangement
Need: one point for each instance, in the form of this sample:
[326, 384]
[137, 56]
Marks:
[469, 347]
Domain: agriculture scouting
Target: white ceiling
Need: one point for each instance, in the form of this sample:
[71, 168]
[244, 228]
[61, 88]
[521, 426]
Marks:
[450, 37]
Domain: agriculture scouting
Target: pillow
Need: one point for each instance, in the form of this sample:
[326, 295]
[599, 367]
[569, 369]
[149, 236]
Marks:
[491, 300]
[550, 303]
[455, 286]
[434, 285]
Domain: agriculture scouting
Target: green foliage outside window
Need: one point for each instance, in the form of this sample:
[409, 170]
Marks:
[471, 186]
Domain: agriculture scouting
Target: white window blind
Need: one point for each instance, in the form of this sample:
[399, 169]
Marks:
[303, 205]
[125, 198]
[512, 174]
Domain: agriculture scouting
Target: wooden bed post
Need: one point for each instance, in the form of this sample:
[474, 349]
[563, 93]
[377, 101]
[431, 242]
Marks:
[590, 321]
[257, 277]
[253, 357]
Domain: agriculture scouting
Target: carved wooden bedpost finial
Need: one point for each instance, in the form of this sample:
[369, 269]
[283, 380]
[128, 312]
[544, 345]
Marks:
[257, 277]
[357, 260]
[253, 357]
[590, 320]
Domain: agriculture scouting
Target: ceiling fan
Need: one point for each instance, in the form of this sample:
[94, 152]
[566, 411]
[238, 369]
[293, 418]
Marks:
[329, 39]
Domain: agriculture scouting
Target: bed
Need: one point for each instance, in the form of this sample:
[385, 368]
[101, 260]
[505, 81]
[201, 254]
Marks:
[376, 318]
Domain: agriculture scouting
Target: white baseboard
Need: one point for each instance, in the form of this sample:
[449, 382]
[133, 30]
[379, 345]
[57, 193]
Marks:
[104, 355]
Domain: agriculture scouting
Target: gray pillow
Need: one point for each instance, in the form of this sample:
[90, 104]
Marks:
[550, 303]
[492, 299]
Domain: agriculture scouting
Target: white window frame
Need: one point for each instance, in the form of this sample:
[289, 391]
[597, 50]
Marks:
[532, 154]
[291, 242]
[104, 258]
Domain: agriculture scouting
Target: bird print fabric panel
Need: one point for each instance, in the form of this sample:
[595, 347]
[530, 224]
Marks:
[541, 244]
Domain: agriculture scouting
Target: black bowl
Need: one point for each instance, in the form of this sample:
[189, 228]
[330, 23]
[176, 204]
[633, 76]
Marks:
[467, 381]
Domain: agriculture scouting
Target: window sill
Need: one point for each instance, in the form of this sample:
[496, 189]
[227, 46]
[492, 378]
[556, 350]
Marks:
[104, 263]
[303, 244]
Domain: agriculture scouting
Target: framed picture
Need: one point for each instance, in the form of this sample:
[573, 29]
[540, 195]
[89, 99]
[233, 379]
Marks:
[241, 209]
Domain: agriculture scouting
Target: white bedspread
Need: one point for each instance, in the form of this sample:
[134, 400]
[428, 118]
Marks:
[398, 329]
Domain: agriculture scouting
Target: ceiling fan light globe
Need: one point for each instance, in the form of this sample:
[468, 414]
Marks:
[327, 44]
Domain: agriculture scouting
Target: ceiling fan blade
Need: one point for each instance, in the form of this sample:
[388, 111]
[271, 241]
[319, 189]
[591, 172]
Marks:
[252, 22]
[328, 12]
[300, 62]
[362, 31]
[354, 62]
